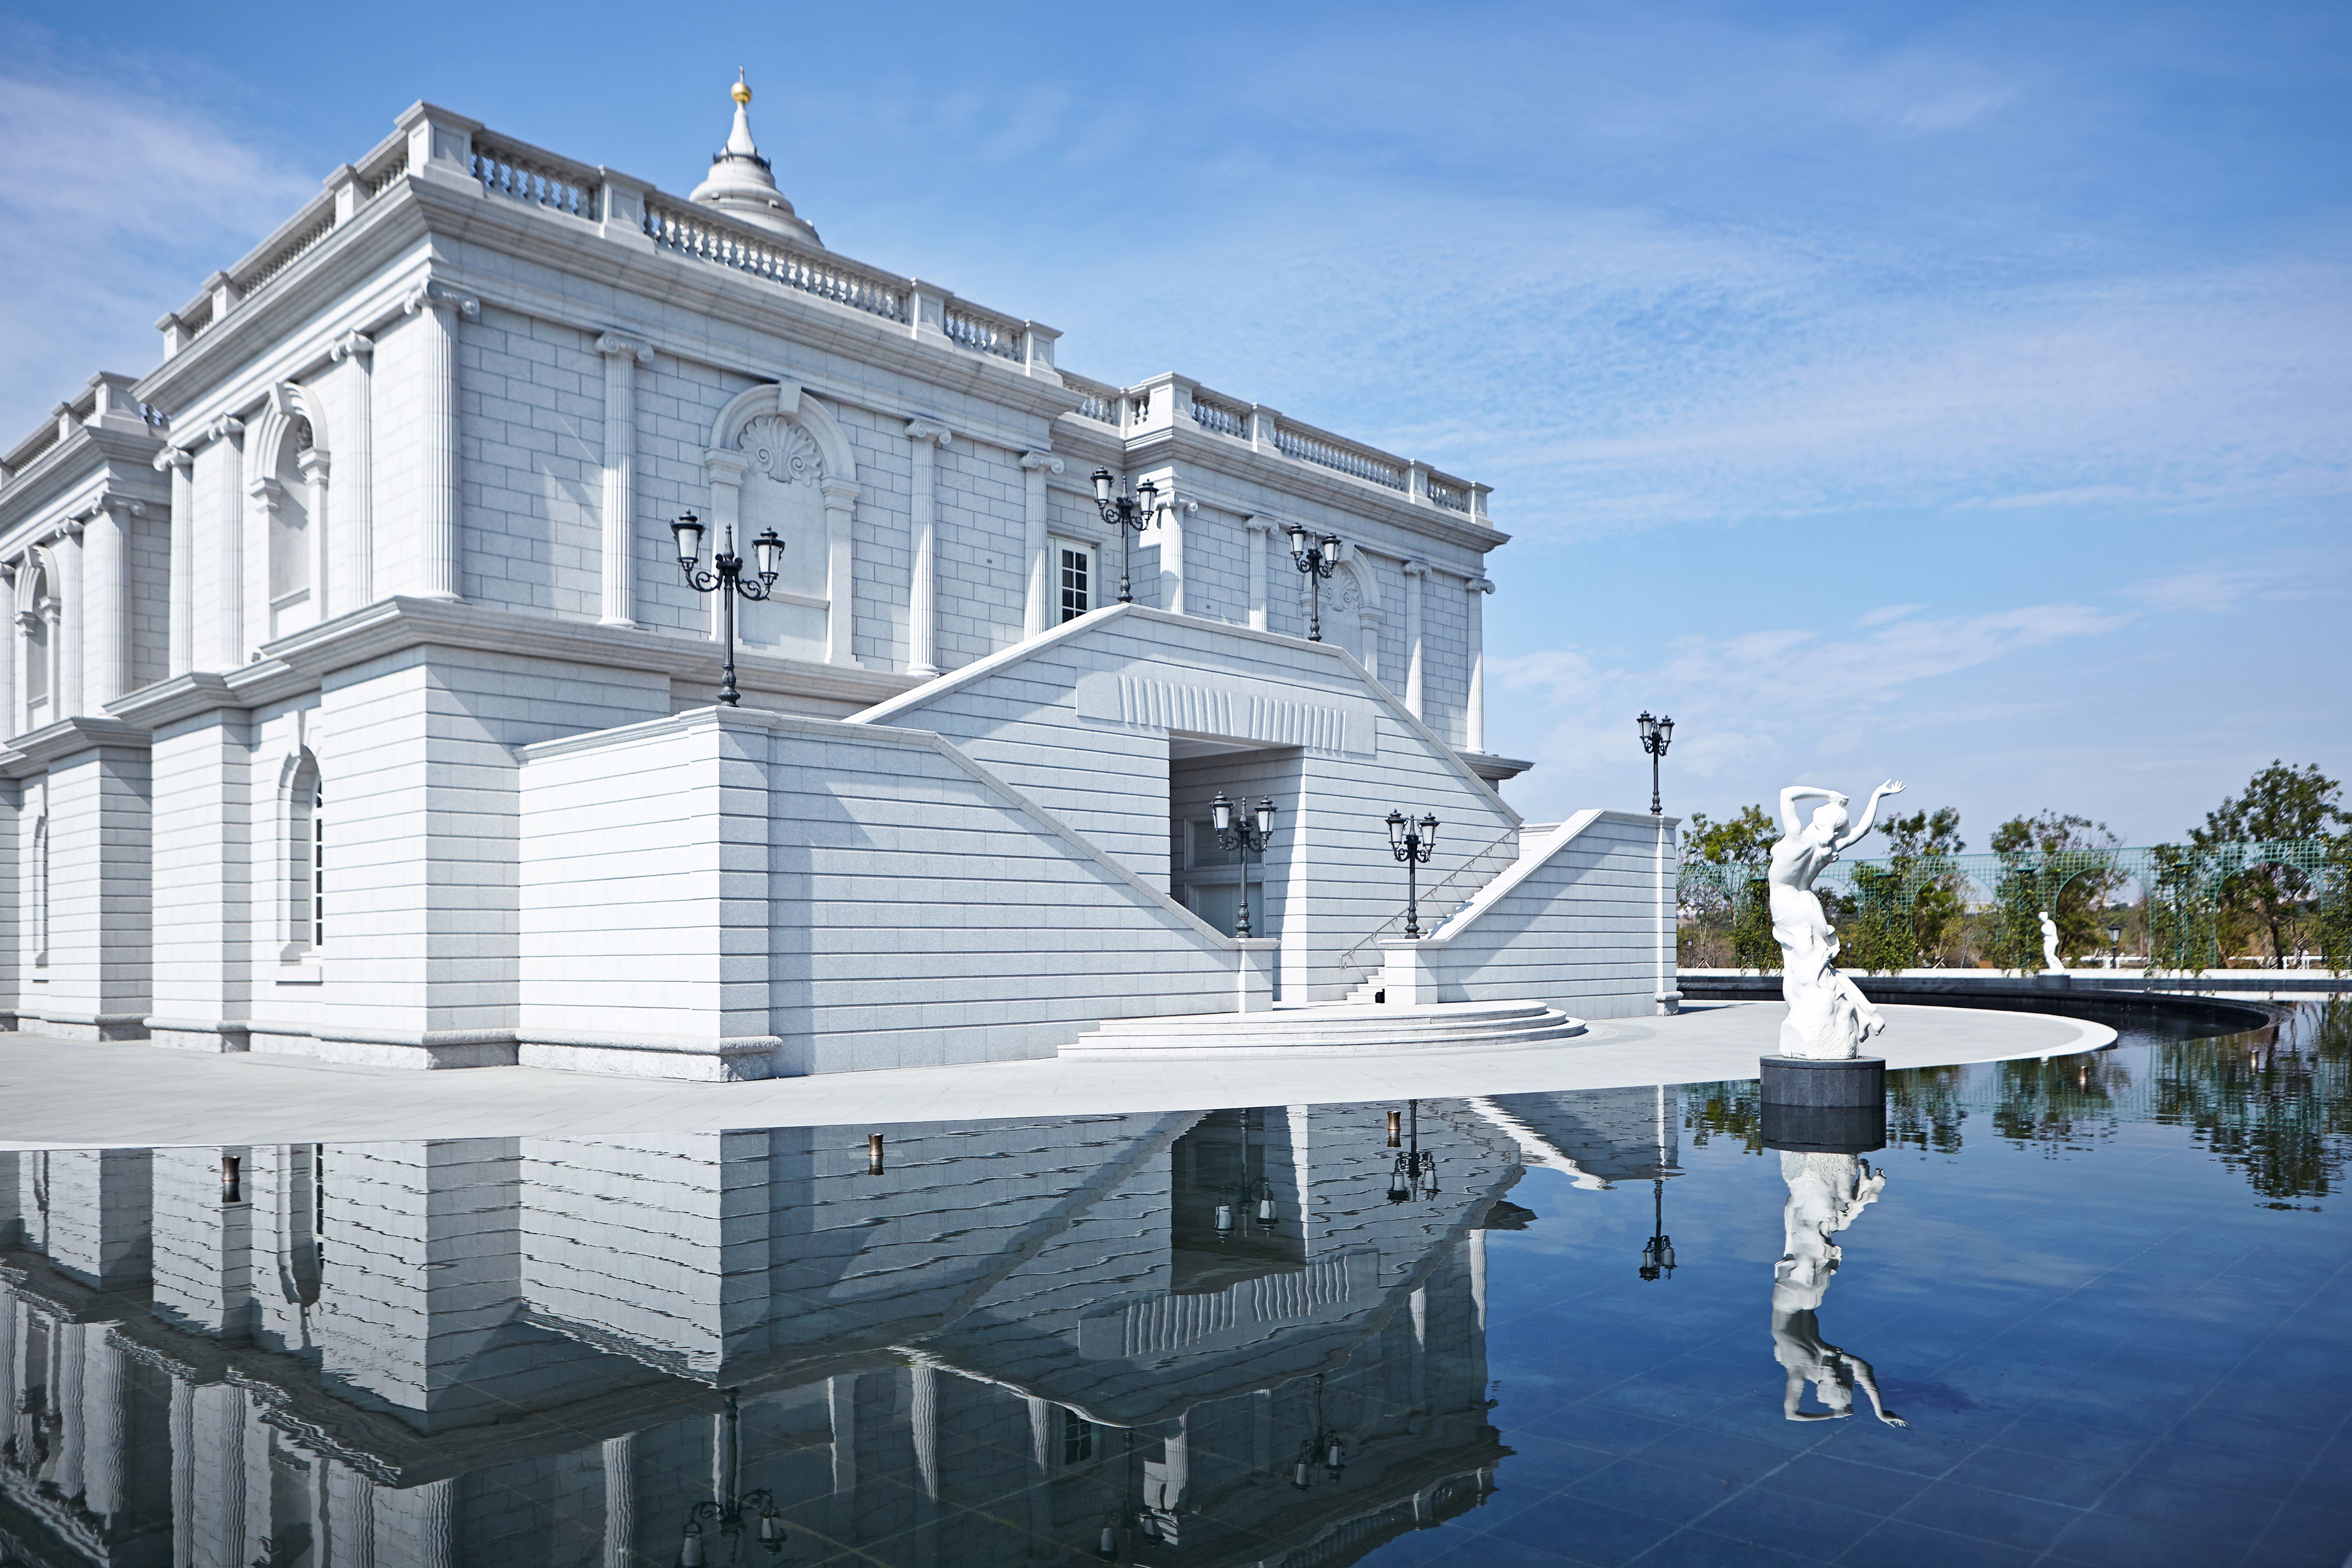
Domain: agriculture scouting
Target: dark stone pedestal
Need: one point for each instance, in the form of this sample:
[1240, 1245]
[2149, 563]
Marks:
[1796, 1080]
[1824, 1107]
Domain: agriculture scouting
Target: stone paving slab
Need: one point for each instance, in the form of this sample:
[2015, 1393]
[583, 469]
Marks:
[64, 1094]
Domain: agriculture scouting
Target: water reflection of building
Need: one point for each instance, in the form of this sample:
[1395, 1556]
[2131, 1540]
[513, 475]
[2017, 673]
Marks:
[1010, 1339]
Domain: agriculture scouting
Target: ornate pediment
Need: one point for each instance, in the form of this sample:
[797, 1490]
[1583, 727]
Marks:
[781, 450]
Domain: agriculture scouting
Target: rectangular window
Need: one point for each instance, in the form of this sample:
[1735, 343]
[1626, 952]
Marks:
[1077, 1438]
[1076, 578]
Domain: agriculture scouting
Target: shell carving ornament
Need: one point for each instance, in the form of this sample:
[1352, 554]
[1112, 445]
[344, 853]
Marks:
[781, 450]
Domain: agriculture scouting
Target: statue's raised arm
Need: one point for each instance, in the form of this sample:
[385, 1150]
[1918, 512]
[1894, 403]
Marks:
[1869, 814]
[1795, 793]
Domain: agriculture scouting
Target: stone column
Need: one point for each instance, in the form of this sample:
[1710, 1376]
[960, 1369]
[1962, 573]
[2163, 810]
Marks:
[922, 593]
[1419, 1388]
[1478, 1280]
[436, 1517]
[1039, 603]
[350, 1517]
[357, 440]
[66, 1375]
[184, 1472]
[1414, 572]
[438, 307]
[623, 355]
[1474, 711]
[923, 1411]
[224, 648]
[66, 626]
[1255, 530]
[840, 570]
[1170, 524]
[841, 1404]
[619, 1498]
[107, 640]
[314, 465]
[106, 1423]
[180, 636]
[725, 472]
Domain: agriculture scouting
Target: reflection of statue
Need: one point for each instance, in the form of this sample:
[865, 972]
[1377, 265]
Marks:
[2050, 963]
[1826, 1191]
[1828, 1019]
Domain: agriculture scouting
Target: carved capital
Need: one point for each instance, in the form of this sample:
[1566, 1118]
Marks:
[839, 494]
[313, 463]
[28, 620]
[1478, 585]
[725, 467]
[172, 458]
[613, 345]
[224, 429]
[430, 295]
[120, 505]
[925, 429]
[1260, 525]
[351, 345]
[1415, 568]
[267, 490]
[1046, 460]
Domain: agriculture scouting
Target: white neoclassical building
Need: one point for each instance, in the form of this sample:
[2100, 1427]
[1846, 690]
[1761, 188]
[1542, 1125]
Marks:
[357, 705]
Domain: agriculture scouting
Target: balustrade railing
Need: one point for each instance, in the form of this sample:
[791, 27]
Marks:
[382, 179]
[1096, 401]
[976, 330]
[1447, 494]
[697, 236]
[1213, 413]
[1339, 456]
[253, 282]
[538, 178]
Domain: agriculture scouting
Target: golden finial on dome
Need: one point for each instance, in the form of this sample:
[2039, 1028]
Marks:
[741, 90]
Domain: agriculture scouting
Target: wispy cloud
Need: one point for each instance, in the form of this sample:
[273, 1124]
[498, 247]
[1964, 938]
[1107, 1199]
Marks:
[99, 234]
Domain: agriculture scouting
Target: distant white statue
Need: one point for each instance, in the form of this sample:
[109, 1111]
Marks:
[2050, 963]
[1826, 1193]
[1828, 1017]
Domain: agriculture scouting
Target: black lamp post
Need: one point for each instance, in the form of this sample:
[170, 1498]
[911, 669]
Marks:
[724, 577]
[1657, 734]
[1247, 833]
[1412, 843]
[1317, 555]
[1658, 1252]
[734, 1513]
[1127, 514]
[2115, 946]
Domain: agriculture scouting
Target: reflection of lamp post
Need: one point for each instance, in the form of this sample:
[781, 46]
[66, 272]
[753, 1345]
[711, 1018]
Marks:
[1247, 834]
[1412, 843]
[1657, 734]
[1414, 1173]
[725, 578]
[733, 1512]
[1317, 555]
[1658, 1252]
[1128, 514]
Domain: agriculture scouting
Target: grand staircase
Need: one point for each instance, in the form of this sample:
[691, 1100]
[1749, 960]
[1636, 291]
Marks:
[1341, 1027]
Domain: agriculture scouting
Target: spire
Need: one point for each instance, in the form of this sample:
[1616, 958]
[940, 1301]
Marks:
[740, 183]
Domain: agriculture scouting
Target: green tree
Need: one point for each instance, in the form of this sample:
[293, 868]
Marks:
[1746, 840]
[2057, 856]
[2335, 931]
[1740, 845]
[2280, 803]
[1921, 846]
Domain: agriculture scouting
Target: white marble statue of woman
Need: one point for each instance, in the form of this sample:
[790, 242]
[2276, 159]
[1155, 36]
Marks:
[1826, 1191]
[1828, 1017]
[2050, 963]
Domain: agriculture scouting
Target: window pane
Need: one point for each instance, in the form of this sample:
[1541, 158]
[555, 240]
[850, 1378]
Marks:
[1077, 582]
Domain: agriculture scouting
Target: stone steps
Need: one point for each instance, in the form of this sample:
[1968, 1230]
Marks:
[1333, 1027]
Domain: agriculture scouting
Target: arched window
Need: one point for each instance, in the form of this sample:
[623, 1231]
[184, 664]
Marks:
[287, 499]
[306, 861]
[32, 654]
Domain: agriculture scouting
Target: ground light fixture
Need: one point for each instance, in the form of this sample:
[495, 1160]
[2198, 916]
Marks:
[1247, 830]
[724, 576]
[1412, 843]
[2115, 946]
[1317, 555]
[1129, 514]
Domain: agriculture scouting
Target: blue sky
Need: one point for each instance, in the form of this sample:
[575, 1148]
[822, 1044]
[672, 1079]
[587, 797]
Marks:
[1962, 392]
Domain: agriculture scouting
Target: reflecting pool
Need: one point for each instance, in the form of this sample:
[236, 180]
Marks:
[2092, 1310]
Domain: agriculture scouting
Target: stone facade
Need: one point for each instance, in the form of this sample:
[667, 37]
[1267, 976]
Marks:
[349, 699]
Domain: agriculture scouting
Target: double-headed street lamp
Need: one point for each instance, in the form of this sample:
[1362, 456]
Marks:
[1128, 514]
[735, 1512]
[1317, 555]
[1248, 833]
[1657, 734]
[1658, 1252]
[1412, 843]
[1413, 1172]
[724, 576]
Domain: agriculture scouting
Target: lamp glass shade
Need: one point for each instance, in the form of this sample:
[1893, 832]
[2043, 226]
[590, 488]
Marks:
[1266, 1211]
[769, 550]
[2115, 935]
[1647, 725]
[687, 532]
[689, 1551]
[1396, 831]
[771, 1527]
[1102, 482]
[1297, 537]
[1265, 817]
[1221, 813]
[1428, 826]
[1146, 496]
[1666, 732]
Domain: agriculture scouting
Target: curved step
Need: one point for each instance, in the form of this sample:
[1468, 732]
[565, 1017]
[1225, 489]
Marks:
[1332, 1027]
